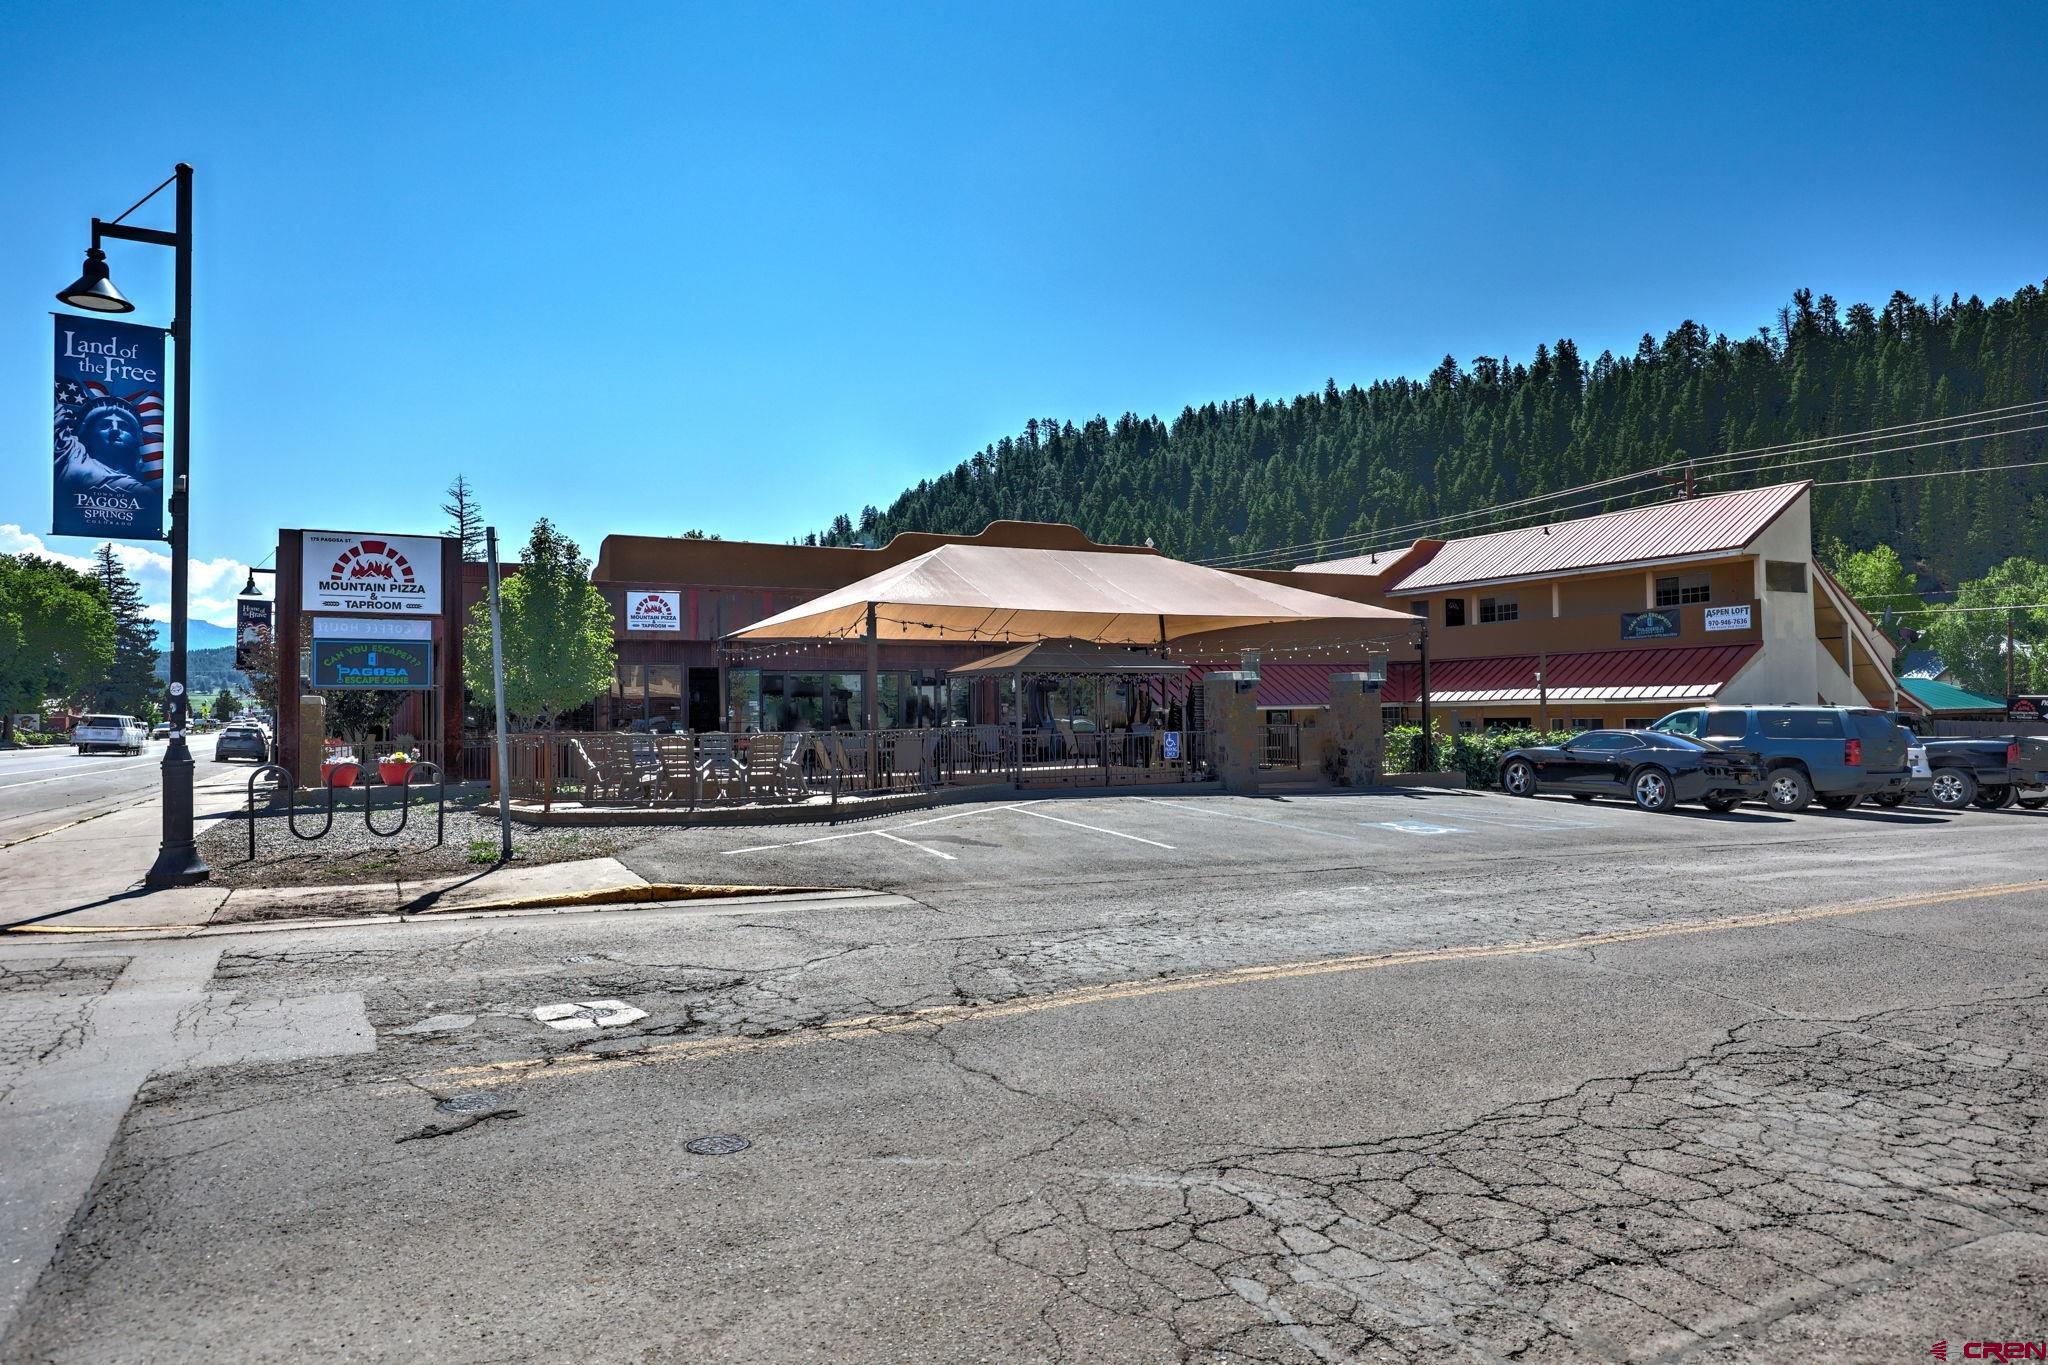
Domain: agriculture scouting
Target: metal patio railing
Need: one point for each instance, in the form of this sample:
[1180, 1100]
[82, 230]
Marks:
[629, 769]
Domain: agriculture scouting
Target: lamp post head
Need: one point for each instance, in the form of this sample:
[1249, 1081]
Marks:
[93, 291]
[249, 588]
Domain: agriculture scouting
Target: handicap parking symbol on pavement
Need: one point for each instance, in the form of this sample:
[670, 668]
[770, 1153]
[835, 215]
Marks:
[1414, 827]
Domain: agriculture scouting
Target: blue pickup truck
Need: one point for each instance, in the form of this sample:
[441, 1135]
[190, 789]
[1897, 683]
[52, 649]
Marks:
[1836, 754]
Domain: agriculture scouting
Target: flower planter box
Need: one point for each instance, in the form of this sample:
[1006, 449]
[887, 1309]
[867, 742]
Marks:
[393, 774]
[341, 774]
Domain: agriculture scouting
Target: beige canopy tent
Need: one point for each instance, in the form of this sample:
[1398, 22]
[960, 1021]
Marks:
[1010, 594]
[1005, 594]
[1052, 658]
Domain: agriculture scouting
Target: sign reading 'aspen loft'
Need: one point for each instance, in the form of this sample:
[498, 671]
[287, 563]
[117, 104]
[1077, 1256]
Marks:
[364, 572]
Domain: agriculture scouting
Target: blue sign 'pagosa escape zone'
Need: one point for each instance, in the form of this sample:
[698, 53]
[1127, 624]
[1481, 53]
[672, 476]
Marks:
[373, 663]
[107, 430]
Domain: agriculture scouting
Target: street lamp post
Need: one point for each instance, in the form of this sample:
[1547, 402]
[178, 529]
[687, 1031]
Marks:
[177, 860]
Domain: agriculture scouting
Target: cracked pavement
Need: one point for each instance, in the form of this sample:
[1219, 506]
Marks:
[1208, 1079]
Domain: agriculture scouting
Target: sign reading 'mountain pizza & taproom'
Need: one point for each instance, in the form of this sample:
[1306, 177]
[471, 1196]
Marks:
[373, 663]
[107, 430]
[654, 611]
[365, 572]
[1649, 625]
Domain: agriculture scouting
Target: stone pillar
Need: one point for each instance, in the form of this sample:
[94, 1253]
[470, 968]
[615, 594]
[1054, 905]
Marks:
[312, 736]
[1230, 702]
[1355, 727]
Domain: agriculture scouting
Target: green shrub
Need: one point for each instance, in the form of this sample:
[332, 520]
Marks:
[1475, 753]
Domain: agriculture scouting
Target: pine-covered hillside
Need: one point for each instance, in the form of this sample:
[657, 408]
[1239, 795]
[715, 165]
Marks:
[1253, 475]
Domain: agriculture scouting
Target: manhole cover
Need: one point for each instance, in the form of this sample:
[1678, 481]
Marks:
[481, 1102]
[718, 1144]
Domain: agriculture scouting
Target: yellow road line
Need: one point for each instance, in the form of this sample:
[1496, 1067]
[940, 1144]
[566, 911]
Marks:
[875, 1026]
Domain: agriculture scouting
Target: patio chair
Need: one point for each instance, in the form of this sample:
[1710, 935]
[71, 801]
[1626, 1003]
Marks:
[851, 774]
[715, 759]
[599, 773]
[764, 767]
[679, 777]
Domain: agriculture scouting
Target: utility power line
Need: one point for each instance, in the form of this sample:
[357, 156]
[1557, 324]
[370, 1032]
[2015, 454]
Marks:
[1711, 464]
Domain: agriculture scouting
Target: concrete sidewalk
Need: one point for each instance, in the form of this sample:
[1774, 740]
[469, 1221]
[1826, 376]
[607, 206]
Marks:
[88, 876]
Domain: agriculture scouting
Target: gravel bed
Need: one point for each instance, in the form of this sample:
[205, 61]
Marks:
[348, 852]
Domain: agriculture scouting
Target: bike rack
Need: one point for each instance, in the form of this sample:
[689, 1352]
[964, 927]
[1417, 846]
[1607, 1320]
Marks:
[405, 804]
[291, 814]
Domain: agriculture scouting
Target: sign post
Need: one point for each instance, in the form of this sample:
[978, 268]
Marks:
[498, 692]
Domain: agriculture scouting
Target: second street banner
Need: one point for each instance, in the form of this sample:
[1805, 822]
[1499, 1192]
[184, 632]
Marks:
[107, 430]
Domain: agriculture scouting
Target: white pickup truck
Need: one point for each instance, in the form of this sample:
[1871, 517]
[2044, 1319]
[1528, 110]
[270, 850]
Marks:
[110, 732]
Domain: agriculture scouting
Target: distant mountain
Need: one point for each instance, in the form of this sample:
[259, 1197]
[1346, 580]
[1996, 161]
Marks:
[198, 635]
[207, 671]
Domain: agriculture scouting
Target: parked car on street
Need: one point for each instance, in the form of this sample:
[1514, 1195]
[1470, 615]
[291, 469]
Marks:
[241, 741]
[110, 732]
[1839, 754]
[1656, 771]
[162, 730]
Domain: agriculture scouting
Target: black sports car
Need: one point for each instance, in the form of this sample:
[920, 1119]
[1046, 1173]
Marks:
[1656, 770]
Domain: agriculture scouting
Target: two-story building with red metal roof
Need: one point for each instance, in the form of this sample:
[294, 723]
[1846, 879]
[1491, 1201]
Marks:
[1618, 618]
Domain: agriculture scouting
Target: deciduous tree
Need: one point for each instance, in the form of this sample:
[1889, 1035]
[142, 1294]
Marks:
[557, 627]
[57, 635]
[1971, 639]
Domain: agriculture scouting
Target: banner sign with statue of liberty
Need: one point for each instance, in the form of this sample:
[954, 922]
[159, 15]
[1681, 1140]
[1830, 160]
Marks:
[108, 430]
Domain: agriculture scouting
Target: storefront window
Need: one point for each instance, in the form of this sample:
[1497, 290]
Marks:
[848, 710]
[632, 692]
[665, 691]
[744, 685]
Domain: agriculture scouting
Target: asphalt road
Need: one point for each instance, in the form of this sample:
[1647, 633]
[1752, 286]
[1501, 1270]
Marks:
[1202, 1078]
[41, 789]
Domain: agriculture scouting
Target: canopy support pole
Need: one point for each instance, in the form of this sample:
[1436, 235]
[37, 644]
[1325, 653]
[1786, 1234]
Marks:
[1017, 720]
[870, 688]
[1426, 760]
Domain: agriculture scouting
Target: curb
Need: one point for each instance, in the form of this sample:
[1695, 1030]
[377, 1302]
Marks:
[650, 893]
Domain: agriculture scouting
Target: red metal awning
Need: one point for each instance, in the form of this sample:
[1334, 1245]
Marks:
[1289, 685]
[1686, 673]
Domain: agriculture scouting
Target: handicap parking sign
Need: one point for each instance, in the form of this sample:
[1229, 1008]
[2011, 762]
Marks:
[1170, 747]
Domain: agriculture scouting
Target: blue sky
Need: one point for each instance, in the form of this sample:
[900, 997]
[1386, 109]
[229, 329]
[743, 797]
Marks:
[652, 268]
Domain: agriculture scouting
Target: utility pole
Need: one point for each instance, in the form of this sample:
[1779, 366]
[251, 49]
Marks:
[2011, 690]
[1425, 761]
[498, 691]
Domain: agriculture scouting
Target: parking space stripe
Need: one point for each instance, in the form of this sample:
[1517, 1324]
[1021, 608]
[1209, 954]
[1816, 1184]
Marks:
[908, 843]
[857, 833]
[1097, 828]
[1345, 835]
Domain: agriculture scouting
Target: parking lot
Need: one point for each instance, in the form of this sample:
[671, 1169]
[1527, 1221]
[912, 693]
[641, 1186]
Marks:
[1166, 845]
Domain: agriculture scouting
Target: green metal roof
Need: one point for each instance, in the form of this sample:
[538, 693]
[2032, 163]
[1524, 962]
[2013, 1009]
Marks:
[1941, 696]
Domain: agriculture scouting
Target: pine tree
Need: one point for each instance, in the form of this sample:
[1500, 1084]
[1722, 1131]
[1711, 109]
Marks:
[465, 519]
[1252, 475]
[131, 678]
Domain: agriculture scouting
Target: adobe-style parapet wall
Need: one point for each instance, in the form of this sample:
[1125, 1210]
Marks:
[1237, 734]
[1356, 734]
